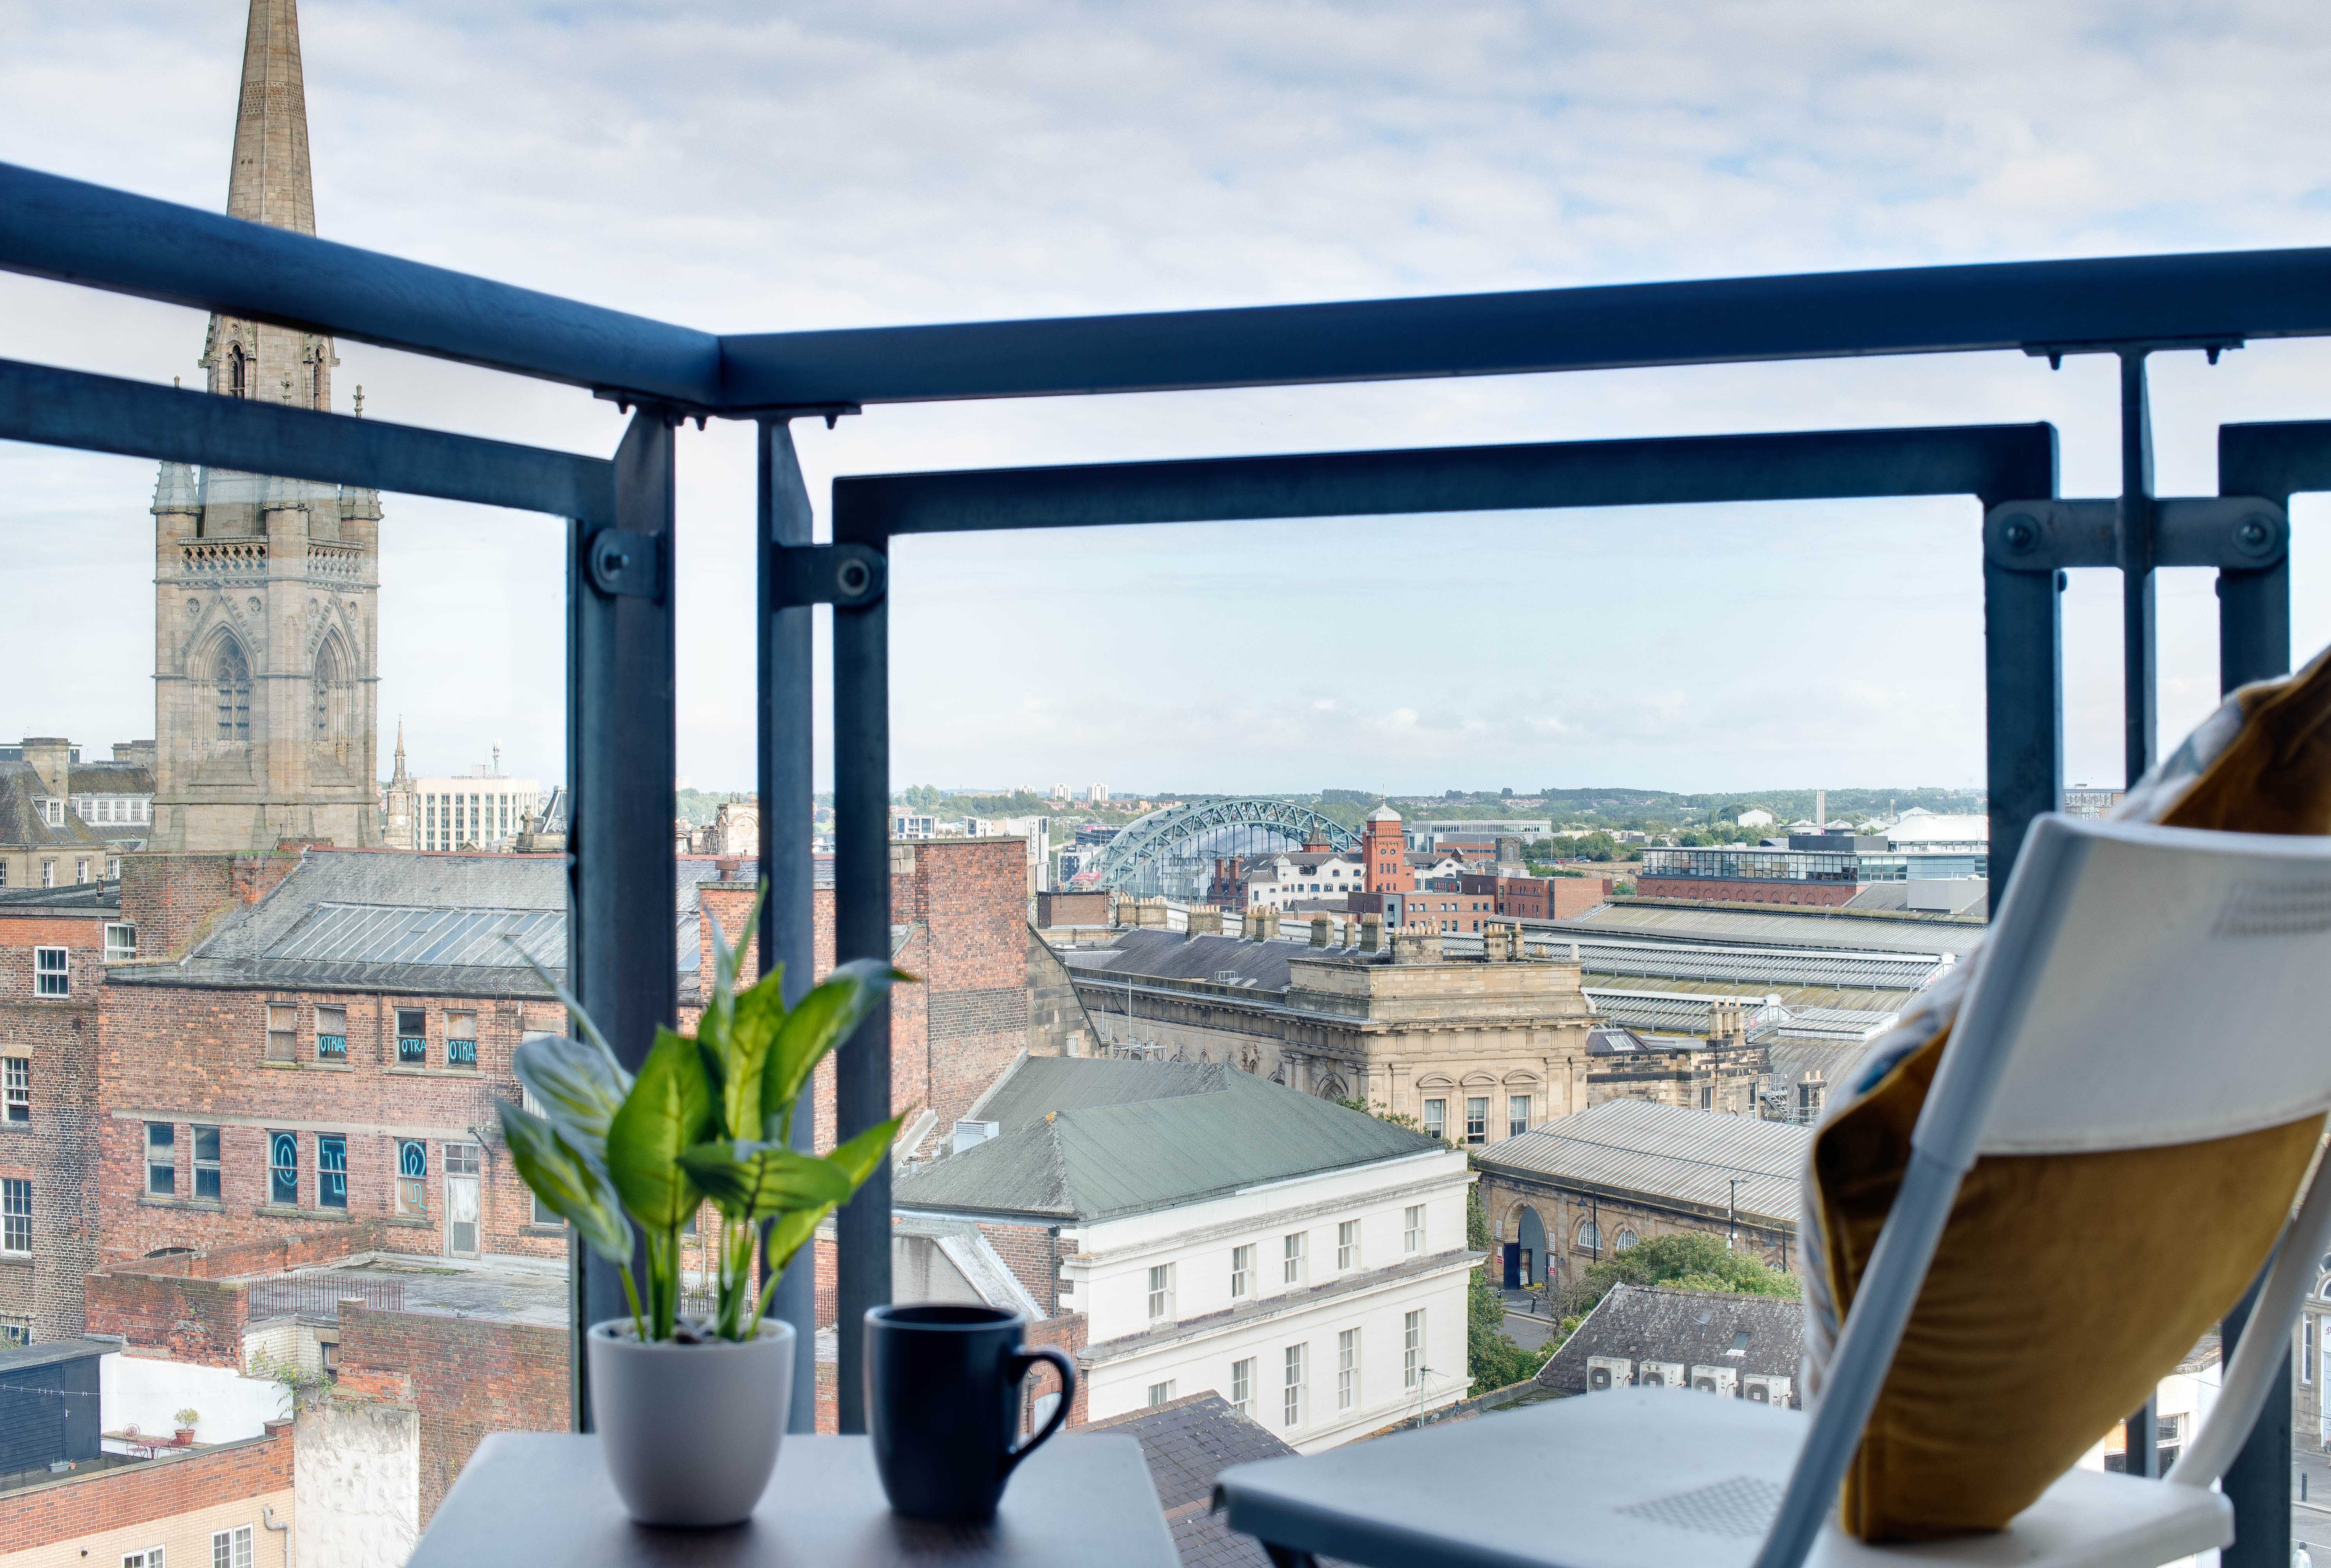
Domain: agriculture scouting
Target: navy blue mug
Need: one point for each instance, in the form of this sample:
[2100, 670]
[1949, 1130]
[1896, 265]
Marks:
[943, 1406]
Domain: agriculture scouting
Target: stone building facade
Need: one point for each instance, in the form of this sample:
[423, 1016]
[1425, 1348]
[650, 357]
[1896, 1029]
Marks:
[266, 627]
[1480, 1048]
[1579, 1190]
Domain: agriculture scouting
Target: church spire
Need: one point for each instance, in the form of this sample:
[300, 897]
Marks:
[399, 779]
[271, 183]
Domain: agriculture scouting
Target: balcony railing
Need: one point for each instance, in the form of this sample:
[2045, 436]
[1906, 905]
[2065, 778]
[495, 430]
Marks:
[621, 956]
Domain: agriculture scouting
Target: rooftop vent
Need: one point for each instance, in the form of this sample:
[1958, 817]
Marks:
[969, 1134]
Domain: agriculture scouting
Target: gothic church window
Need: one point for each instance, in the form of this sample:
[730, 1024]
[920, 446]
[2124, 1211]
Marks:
[328, 678]
[231, 674]
[236, 380]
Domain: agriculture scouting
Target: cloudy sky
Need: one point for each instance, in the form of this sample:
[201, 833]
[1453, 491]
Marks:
[758, 167]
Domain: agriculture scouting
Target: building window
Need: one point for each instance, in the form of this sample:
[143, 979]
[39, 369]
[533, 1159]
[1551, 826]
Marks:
[1347, 1369]
[412, 1037]
[1412, 1229]
[1241, 1271]
[232, 1548]
[1436, 1119]
[81, 870]
[1412, 1348]
[1291, 1403]
[332, 1172]
[283, 1031]
[413, 1176]
[1517, 1114]
[16, 1214]
[52, 973]
[1347, 1244]
[1161, 1291]
[120, 939]
[1160, 1392]
[283, 1170]
[206, 1164]
[231, 678]
[15, 1088]
[15, 1331]
[113, 868]
[1291, 1258]
[1477, 1119]
[1624, 1240]
[331, 1034]
[546, 1215]
[161, 1160]
[1242, 1386]
[1590, 1236]
[461, 1040]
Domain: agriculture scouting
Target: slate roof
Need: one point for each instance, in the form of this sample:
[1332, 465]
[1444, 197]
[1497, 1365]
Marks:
[1684, 1156]
[1096, 1138]
[1697, 1327]
[1187, 1443]
[91, 898]
[20, 819]
[390, 920]
[1160, 955]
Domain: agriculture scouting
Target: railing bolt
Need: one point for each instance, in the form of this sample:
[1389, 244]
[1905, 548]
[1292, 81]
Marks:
[2020, 533]
[2254, 533]
[852, 577]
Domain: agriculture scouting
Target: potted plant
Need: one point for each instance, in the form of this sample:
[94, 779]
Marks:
[690, 1412]
[187, 1420]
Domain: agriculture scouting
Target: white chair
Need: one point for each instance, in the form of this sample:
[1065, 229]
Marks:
[2117, 949]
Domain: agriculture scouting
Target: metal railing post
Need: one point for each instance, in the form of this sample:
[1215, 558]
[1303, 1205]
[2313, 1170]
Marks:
[2258, 1483]
[2139, 608]
[623, 953]
[861, 930]
[787, 784]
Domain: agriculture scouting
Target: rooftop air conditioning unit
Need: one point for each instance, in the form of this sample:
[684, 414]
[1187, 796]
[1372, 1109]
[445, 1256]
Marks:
[1608, 1372]
[1723, 1381]
[1765, 1388]
[969, 1134]
[1664, 1374]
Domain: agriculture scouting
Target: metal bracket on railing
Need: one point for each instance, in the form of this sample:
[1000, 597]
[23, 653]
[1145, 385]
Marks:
[2238, 533]
[626, 563]
[847, 577]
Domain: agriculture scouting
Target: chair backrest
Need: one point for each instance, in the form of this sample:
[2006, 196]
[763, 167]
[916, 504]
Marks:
[2145, 987]
[2140, 987]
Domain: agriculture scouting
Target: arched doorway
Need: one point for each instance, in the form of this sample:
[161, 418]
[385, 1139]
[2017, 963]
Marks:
[1533, 1258]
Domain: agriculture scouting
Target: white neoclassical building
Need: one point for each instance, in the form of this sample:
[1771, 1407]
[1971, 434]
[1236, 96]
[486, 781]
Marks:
[1213, 1230]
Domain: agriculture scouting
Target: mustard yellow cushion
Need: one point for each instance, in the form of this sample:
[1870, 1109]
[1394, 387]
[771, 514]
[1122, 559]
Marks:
[2065, 1285]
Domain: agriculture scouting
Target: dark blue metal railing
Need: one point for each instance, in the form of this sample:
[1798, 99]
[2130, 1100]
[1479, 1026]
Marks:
[622, 528]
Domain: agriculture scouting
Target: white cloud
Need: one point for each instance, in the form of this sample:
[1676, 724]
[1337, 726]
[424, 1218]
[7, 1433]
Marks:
[734, 166]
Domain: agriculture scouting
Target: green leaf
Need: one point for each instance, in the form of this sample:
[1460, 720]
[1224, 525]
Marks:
[569, 1186]
[856, 1160]
[752, 1032]
[579, 1086]
[669, 1109]
[824, 1019]
[758, 1179]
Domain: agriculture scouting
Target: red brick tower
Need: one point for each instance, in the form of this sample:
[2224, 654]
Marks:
[1386, 853]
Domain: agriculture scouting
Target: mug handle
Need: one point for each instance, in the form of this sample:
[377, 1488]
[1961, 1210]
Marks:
[1023, 1363]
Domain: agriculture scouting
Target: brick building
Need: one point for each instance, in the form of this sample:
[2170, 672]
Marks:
[229, 1504]
[53, 948]
[64, 821]
[1720, 1071]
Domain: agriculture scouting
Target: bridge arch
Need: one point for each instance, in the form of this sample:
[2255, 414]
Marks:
[1172, 850]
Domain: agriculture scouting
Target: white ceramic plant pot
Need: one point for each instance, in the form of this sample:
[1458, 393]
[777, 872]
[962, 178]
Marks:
[690, 1431]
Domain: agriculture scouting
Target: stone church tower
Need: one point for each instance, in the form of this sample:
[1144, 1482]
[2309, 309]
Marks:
[265, 590]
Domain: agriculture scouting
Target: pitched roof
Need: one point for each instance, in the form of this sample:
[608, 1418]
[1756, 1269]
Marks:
[391, 920]
[1186, 1443]
[1171, 955]
[1090, 1139]
[1685, 1156]
[91, 898]
[21, 822]
[1638, 1323]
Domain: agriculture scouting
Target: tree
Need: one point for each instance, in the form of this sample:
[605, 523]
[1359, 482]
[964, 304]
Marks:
[1689, 1261]
[1491, 1356]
